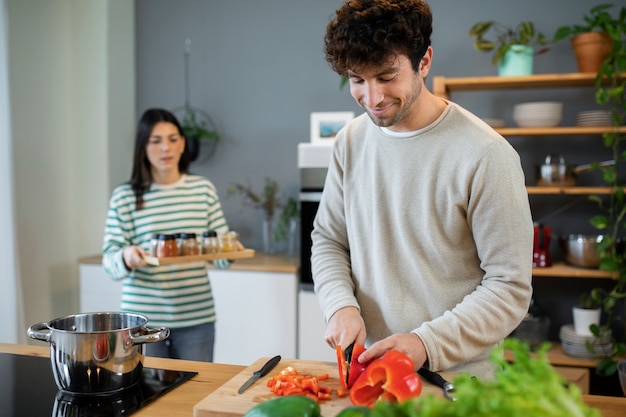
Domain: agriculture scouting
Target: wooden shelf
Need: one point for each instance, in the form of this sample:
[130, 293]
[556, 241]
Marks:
[557, 357]
[533, 190]
[558, 131]
[561, 270]
[443, 86]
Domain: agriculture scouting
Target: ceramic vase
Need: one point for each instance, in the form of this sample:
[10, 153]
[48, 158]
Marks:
[584, 318]
[517, 61]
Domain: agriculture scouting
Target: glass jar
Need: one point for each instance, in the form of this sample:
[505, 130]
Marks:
[228, 242]
[154, 243]
[167, 246]
[179, 243]
[189, 244]
[210, 243]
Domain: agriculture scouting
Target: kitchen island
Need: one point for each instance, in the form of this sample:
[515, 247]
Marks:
[211, 376]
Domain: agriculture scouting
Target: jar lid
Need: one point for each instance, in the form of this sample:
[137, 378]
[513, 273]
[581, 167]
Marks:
[187, 235]
[167, 237]
[209, 233]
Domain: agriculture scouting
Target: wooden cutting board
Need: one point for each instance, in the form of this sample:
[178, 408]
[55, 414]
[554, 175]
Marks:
[225, 402]
[239, 254]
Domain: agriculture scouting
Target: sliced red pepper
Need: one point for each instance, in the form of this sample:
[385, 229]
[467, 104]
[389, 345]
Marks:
[391, 377]
[350, 371]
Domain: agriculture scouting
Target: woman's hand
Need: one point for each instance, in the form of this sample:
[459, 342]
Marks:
[134, 257]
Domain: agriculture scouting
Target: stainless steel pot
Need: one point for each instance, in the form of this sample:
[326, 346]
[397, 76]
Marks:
[580, 250]
[98, 352]
[555, 172]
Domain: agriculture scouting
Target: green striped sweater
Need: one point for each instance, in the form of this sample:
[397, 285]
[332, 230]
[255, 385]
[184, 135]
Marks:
[174, 296]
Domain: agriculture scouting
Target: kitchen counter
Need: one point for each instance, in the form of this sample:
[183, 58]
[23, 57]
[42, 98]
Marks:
[260, 262]
[181, 400]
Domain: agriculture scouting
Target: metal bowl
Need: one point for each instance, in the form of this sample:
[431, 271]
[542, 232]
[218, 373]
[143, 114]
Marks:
[580, 250]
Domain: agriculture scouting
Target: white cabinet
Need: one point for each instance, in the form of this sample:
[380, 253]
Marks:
[98, 292]
[256, 315]
[311, 326]
[256, 303]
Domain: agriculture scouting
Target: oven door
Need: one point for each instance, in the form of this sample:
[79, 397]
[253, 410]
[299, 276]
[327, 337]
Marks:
[309, 202]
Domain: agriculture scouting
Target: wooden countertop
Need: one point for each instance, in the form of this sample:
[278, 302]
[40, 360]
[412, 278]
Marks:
[181, 400]
[261, 262]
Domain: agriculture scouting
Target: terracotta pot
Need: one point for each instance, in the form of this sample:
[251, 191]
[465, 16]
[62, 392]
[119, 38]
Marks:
[591, 50]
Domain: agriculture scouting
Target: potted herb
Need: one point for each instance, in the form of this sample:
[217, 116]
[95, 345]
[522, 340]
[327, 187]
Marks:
[267, 200]
[594, 38]
[587, 313]
[610, 91]
[513, 47]
[198, 127]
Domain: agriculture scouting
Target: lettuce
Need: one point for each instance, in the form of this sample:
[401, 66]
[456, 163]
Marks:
[527, 387]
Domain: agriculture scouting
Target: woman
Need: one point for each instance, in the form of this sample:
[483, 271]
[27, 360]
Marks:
[163, 198]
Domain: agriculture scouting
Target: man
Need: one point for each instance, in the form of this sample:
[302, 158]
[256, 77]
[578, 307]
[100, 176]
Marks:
[423, 237]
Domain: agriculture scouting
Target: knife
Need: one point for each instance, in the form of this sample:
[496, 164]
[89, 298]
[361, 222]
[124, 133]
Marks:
[437, 379]
[269, 365]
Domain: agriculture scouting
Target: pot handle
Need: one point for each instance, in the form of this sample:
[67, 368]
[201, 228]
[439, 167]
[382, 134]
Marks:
[151, 336]
[35, 332]
[587, 167]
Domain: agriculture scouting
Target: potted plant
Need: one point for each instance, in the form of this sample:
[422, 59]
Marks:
[267, 200]
[287, 226]
[513, 47]
[593, 40]
[198, 127]
[587, 314]
[610, 91]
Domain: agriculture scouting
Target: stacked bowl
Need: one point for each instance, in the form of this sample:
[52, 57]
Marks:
[538, 114]
[575, 344]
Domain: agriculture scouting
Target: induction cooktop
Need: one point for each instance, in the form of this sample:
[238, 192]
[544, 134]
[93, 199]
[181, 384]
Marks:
[28, 389]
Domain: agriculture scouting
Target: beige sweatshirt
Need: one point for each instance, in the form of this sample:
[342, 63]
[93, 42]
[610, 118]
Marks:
[430, 234]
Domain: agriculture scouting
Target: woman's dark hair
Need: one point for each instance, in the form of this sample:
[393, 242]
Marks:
[141, 177]
[366, 33]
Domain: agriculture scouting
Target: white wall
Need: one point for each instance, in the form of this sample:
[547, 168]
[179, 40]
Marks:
[10, 299]
[71, 76]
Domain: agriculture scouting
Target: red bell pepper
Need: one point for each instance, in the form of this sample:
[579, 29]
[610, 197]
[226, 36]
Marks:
[349, 370]
[391, 377]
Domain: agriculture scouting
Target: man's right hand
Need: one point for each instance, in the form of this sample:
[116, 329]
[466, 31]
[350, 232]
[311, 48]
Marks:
[344, 327]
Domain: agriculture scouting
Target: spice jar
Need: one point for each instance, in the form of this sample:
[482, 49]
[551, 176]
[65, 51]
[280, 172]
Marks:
[210, 243]
[189, 244]
[179, 243]
[167, 246]
[228, 242]
[154, 242]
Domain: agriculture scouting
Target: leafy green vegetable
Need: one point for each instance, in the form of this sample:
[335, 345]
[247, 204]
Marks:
[527, 387]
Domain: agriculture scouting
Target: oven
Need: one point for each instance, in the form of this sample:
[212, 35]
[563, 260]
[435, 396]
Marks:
[309, 202]
[313, 163]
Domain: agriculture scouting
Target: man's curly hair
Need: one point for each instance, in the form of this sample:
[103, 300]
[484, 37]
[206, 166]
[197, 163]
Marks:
[368, 32]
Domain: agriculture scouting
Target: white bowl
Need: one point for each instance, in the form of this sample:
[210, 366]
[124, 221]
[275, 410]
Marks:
[538, 114]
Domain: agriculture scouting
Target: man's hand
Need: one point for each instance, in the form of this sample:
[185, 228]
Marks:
[408, 343]
[344, 327]
[133, 257]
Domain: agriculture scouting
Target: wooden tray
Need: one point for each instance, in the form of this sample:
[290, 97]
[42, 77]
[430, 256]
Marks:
[225, 402]
[239, 254]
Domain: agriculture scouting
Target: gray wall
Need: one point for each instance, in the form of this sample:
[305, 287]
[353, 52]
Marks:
[259, 70]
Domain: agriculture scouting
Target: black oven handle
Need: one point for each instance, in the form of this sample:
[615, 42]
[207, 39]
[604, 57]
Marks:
[311, 196]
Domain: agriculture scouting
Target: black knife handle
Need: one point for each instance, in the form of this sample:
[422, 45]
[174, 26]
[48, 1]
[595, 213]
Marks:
[432, 377]
[269, 365]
